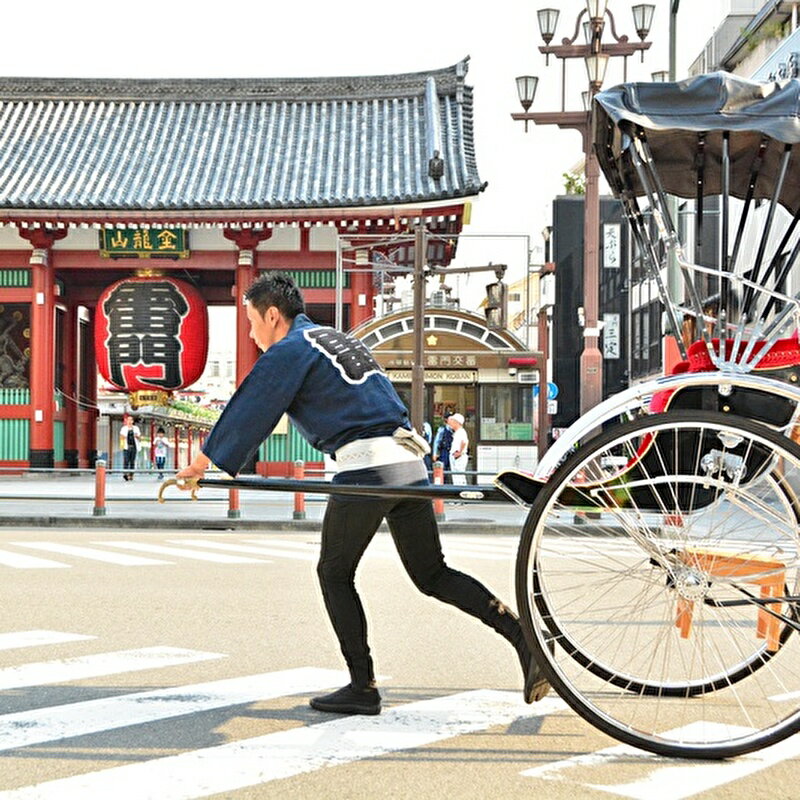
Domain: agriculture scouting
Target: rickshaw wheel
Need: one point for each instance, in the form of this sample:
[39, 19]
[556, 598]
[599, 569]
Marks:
[663, 559]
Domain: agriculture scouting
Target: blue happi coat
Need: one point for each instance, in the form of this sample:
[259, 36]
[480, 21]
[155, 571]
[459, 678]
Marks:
[327, 382]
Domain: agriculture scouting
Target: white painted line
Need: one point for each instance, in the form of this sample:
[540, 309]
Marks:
[489, 547]
[675, 782]
[10, 641]
[219, 558]
[311, 547]
[79, 719]
[554, 769]
[22, 561]
[256, 761]
[234, 548]
[780, 698]
[463, 553]
[670, 779]
[95, 555]
[75, 669]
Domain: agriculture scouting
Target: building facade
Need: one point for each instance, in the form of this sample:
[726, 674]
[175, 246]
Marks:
[100, 178]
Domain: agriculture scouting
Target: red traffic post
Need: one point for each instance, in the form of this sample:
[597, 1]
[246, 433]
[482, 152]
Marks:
[234, 511]
[299, 497]
[438, 480]
[99, 488]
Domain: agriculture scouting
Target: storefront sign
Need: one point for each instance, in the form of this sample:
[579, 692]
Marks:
[435, 375]
[611, 346]
[611, 254]
[145, 243]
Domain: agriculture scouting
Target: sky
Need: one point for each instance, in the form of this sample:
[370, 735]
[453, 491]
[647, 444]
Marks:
[242, 38]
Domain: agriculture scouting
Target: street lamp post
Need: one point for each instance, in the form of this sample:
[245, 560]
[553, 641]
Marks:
[596, 53]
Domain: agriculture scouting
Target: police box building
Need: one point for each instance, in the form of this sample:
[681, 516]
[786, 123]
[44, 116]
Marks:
[127, 207]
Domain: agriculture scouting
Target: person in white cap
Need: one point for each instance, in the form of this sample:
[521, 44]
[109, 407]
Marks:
[459, 455]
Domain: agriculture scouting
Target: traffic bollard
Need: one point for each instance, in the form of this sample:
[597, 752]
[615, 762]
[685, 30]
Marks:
[299, 497]
[438, 480]
[99, 488]
[234, 511]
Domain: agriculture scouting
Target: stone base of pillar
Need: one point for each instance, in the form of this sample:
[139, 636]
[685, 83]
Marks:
[41, 459]
[92, 458]
[71, 458]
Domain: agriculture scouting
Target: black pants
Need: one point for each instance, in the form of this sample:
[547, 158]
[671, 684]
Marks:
[347, 529]
[129, 461]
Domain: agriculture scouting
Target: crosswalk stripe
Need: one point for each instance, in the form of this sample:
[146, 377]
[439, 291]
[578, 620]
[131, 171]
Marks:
[24, 561]
[27, 728]
[490, 547]
[686, 780]
[268, 550]
[671, 781]
[219, 558]
[274, 756]
[307, 546]
[95, 555]
[11, 641]
[75, 669]
[233, 548]
[481, 556]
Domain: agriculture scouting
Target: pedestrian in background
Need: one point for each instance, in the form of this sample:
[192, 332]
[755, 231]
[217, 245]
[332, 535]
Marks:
[130, 440]
[341, 400]
[160, 451]
[459, 455]
[441, 446]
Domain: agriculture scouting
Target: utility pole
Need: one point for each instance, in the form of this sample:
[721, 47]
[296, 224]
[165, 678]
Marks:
[418, 369]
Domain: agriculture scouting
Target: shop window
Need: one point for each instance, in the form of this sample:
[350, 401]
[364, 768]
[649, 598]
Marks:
[506, 413]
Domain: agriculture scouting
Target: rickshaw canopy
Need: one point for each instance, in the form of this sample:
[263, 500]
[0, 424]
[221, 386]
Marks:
[685, 123]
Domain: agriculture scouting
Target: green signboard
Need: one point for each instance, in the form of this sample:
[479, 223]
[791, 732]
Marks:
[144, 243]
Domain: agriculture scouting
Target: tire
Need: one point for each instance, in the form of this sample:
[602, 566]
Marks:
[681, 509]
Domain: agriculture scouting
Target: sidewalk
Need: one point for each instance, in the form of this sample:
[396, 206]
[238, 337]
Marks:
[67, 500]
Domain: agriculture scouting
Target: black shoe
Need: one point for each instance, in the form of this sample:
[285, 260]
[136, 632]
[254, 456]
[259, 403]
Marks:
[349, 700]
[536, 685]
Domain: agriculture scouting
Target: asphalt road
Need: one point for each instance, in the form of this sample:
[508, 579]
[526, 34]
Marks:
[177, 664]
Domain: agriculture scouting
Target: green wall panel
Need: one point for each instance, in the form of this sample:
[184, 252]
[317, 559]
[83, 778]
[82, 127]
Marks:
[14, 439]
[15, 397]
[58, 440]
[15, 277]
[288, 447]
[317, 278]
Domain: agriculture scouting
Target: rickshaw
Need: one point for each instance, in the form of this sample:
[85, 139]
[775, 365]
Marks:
[657, 570]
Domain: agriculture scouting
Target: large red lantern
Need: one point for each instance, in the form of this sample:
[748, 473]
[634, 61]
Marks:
[151, 333]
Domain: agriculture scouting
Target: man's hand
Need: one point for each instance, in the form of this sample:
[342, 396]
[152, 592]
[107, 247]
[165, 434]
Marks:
[195, 470]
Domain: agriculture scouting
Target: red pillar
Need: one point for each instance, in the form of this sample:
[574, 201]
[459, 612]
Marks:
[152, 454]
[90, 436]
[177, 448]
[71, 386]
[246, 272]
[42, 345]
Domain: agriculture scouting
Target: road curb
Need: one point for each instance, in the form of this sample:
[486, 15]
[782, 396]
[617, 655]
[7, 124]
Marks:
[216, 523]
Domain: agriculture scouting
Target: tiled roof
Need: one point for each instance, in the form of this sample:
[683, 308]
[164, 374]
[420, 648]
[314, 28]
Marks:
[125, 145]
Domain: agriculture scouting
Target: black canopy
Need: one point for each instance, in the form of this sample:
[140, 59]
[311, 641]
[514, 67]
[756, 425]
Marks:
[684, 123]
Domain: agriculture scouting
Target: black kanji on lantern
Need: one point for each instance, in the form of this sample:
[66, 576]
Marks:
[144, 319]
[349, 355]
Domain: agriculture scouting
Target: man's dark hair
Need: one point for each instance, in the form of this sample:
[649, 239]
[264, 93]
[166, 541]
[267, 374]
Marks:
[276, 289]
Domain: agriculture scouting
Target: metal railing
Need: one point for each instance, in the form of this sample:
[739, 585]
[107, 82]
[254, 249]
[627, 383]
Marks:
[100, 498]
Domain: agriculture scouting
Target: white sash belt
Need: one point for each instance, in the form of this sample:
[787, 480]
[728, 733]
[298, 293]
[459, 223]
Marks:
[375, 452]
